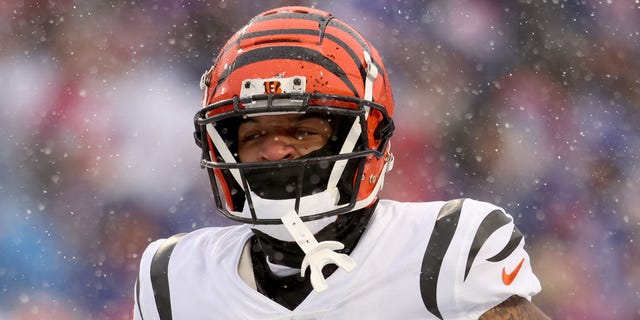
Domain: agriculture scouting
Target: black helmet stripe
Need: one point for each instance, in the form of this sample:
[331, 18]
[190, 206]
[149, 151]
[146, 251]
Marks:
[321, 32]
[331, 37]
[315, 17]
[287, 52]
[342, 26]
[354, 34]
[289, 15]
[323, 20]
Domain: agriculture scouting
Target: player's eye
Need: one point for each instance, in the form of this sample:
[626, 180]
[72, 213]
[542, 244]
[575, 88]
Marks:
[252, 135]
[302, 133]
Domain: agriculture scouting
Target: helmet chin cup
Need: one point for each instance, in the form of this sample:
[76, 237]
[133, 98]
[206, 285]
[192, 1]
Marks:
[276, 209]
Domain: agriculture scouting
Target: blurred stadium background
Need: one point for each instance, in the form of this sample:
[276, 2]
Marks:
[533, 105]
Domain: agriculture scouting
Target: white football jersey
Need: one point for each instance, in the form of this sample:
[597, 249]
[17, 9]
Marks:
[434, 260]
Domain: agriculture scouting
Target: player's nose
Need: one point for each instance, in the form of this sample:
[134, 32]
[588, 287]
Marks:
[277, 147]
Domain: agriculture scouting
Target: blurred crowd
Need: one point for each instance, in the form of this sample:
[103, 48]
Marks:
[532, 105]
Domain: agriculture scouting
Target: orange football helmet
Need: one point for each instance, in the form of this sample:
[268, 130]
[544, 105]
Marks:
[297, 60]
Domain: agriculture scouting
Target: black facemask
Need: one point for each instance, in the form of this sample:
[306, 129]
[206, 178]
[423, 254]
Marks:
[282, 183]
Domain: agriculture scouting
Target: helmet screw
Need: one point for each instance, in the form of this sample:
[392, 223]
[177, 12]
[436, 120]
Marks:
[247, 84]
[372, 178]
[297, 81]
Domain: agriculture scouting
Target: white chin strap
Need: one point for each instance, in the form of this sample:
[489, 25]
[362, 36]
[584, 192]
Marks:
[317, 254]
[320, 254]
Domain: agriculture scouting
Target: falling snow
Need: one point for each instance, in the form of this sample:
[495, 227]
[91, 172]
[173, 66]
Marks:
[532, 105]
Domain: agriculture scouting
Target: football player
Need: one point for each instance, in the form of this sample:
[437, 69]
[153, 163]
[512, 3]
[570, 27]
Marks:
[295, 131]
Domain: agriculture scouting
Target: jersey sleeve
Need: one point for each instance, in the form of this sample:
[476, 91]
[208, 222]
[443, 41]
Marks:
[145, 306]
[486, 262]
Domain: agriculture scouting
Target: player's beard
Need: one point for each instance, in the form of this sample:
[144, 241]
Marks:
[282, 183]
[274, 192]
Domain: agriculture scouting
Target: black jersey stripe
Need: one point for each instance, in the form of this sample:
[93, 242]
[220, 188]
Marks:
[287, 52]
[443, 231]
[494, 220]
[160, 277]
[137, 286]
[514, 241]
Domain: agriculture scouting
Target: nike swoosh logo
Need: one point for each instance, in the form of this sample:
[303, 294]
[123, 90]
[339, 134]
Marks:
[507, 278]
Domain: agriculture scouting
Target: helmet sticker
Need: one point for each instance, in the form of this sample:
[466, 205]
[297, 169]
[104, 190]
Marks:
[251, 87]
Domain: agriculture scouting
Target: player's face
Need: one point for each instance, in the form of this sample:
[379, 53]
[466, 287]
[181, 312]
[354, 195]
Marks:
[281, 137]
